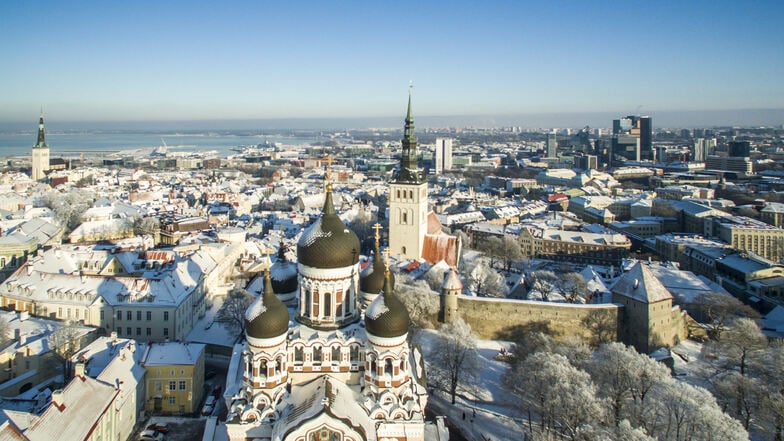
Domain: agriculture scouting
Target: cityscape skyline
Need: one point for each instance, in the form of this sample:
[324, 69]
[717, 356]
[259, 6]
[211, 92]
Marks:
[177, 62]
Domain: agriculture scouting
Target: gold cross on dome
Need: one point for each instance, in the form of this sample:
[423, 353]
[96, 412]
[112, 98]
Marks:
[377, 227]
[386, 260]
[328, 176]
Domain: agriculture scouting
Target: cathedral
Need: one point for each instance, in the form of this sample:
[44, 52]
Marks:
[338, 367]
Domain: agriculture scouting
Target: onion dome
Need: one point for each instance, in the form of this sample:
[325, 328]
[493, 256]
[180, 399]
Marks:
[371, 280]
[387, 316]
[328, 243]
[283, 273]
[267, 316]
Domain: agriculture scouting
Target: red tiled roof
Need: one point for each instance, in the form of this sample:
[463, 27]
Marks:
[438, 247]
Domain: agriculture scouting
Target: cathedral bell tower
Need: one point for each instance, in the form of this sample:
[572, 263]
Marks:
[408, 199]
[40, 156]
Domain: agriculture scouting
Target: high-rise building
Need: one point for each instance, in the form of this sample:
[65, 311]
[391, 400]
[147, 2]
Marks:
[640, 127]
[551, 145]
[739, 149]
[704, 147]
[408, 199]
[443, 156]
[40, 154]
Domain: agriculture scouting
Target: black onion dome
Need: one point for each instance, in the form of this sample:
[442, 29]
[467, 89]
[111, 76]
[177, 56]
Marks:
[267, 316]
[371, 280]
[328, 243]
[283, 273]
[387, 316]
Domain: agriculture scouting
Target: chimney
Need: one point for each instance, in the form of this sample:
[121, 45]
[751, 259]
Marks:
[113, 337]
[17, 334]
[58, 399]
[79, 370]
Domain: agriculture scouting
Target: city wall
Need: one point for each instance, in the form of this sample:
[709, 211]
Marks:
[505, 319]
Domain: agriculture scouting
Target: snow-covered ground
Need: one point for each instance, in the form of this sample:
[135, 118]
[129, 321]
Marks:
[209, 331]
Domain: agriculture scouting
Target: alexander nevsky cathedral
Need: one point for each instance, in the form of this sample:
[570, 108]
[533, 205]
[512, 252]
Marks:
[331, 369]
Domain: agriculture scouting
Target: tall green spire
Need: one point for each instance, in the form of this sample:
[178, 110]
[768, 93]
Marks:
[41, 144]
[409, 156]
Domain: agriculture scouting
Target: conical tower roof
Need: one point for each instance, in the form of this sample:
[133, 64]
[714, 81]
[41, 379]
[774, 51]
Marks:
[387, 316]
[267, 316]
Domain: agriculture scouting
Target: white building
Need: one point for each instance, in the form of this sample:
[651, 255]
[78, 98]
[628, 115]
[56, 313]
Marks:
[443, 156]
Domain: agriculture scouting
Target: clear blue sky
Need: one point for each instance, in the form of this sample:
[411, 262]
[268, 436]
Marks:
[171, 60]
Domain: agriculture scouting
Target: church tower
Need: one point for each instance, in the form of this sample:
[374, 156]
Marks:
[408, 199]
[40, 153]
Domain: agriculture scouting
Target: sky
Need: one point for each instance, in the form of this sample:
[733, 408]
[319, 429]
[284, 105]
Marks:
[194, 60]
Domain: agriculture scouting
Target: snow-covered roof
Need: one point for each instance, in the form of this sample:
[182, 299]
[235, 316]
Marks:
[639, 283]
[173, 353]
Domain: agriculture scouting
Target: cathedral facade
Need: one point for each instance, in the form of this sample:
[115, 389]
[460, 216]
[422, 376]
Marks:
[327, 370]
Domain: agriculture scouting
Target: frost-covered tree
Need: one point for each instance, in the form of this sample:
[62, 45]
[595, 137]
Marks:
[740, 395]
[484, 280]
[680, 412]
[145, 226]
[571, 286]
[717, 311]
[563, 396]
[492, 247]
[574, 349]
[510, 251]
[542, 284]
[420, 301]
[624, 378]
[737, 346]
[454, 361]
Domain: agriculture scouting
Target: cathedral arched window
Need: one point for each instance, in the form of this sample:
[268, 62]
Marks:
[278, 365]
[327, 304]
[306, 311]
[354, 353]
[388, 367]
[405, 217]
[315, 303]
[335, 354]
[398, 194]
[411, 194]
[262, 368]
[317, 355]
[339, 303]
[299, 354]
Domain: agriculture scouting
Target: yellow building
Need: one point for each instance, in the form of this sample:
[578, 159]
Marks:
[175, 377]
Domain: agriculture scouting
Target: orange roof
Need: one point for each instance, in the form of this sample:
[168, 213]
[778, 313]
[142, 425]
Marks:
[438, 247]
[433, 225]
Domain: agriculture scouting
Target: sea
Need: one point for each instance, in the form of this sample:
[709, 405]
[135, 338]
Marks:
[73, 144]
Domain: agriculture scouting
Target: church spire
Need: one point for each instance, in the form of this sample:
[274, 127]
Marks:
[408, 158]
[41, 138]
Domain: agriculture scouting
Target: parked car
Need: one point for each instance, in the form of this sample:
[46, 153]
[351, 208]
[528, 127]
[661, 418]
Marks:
[208, 405]
[159, 427]
[151, 435]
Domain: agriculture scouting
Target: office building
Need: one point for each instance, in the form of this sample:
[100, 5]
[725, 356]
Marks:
[443, 155]
[551, 145]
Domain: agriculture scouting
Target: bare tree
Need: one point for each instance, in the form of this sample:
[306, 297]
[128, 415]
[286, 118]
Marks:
[510, 251]
[492, 247]
[541, 283]
[716, 311]
[145, 226]
[603, 325]
[737, 346]
[65, 341]
[571, 286]
[454, 362]
[232, 312]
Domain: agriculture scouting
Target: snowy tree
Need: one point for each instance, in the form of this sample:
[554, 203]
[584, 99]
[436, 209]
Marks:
[454, 361]
[492, 247]
[69, 208]
[145, 226]
[484, 280]
[680, 411]
[625, 377]
[562, 395]
[740, 395]
[510, 251]
[603, 325]
[232, 312]
[542, 284]
[574, 349]
[420, 301]
[736, 346]
[716, 312]
[65, 341]
[571, 286]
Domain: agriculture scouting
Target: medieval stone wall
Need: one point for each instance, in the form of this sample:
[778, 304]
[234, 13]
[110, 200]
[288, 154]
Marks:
[505, 319]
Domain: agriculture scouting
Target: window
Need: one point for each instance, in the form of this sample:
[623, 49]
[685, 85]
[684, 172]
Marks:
[182, 384]
[119, 315]
[129, 315]
[327, 304]
[102, 315]
[339, 303]
[354, 353]
[128, 329]
[405, 217]
[165, 316]
[139, 315]
[119, 330]
[317, 354]
[315, 303]
[149, 331]
[172, 386]
[172, 401]
[298, 354]
[149, 315]
[158, 386]
[138, 331]
[165, 332]
[336, 354]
